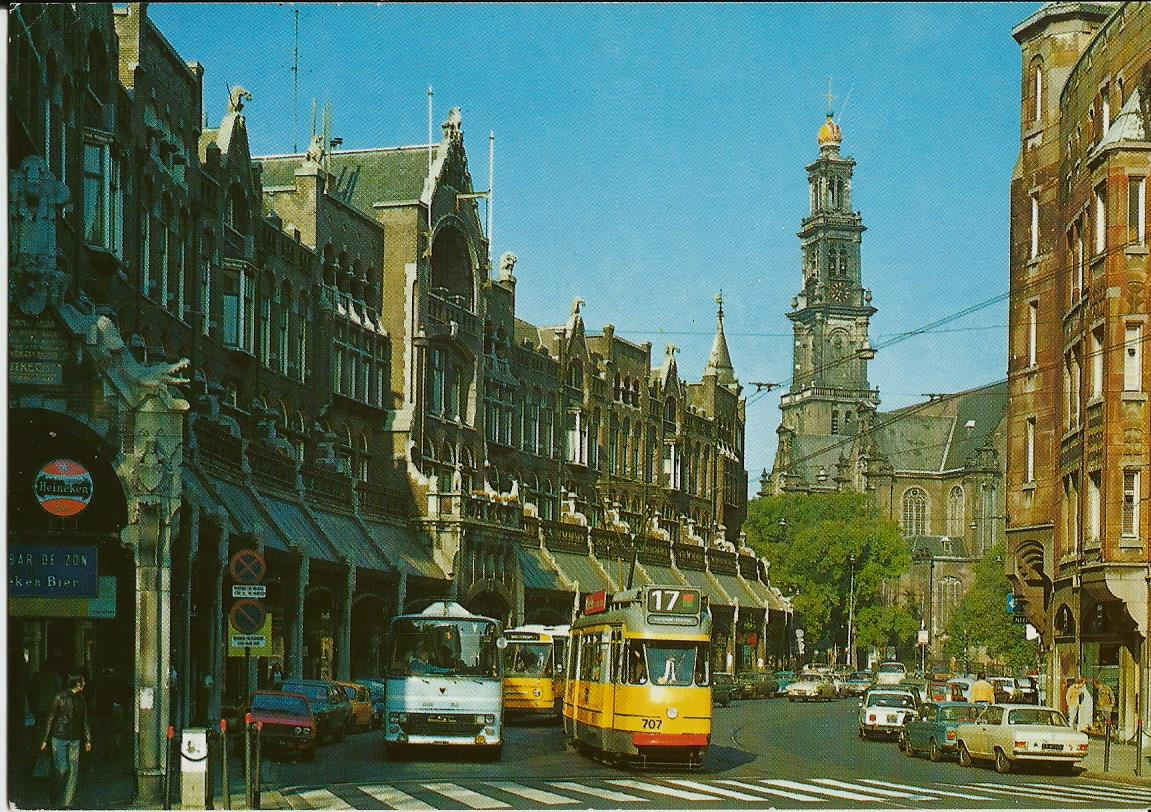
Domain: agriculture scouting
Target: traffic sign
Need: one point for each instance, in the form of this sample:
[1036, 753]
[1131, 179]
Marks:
[249, 591]
[247, 641]
[257, 644]
[1010, 602]
[248, 567]
[1019, 620]
[247, 616]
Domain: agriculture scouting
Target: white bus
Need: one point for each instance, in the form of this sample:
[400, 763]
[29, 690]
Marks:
[444, 680]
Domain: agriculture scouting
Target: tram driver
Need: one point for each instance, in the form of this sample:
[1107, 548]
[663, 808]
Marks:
[638, 667]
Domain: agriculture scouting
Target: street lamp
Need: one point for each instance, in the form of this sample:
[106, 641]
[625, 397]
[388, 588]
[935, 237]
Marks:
[851, 614]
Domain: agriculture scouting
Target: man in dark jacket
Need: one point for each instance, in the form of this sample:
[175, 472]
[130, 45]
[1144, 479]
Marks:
[67, 727]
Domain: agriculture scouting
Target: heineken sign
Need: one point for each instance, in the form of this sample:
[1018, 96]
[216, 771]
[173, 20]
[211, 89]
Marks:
[63, 487]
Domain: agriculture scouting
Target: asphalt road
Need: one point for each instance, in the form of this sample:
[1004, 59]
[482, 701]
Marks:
[764, 753]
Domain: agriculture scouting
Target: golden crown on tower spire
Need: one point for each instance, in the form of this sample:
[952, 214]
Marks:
[829, 133]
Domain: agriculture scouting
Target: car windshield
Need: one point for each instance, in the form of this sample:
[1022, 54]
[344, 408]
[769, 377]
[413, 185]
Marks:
[892, 668]
[315, 693]
[283, 704]
[527, 660]
[957, 713]
[1036, 716]
[439, 646]
[891, 700]
[860, 676]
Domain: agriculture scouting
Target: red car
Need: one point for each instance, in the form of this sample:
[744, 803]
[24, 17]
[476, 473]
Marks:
[288, 722]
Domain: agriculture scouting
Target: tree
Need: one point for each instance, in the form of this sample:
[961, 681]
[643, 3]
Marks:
[980, 621]
[811, 552]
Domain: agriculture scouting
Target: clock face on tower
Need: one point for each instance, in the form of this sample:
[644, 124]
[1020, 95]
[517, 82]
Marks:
[840, 291]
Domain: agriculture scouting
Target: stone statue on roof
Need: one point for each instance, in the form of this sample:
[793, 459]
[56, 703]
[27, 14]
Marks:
[507, 265]
[236, 98]
[315, 154]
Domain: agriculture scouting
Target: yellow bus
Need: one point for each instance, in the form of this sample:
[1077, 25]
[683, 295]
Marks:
[534, 668]
[638, 683]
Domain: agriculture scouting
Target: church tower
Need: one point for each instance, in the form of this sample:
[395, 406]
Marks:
[831, 314]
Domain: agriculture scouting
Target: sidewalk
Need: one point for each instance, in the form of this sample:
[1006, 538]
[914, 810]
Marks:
[1122, 766]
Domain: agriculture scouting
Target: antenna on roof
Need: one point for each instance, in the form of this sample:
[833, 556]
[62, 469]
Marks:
[429, 151]
[326, 131]
[296, 80]
[491, 188]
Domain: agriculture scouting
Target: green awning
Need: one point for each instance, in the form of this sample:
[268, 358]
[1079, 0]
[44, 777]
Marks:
[581, 570]
[538, 572]
[300, 529]
[347, 535]
[708, 587]
[247, 517]
[405, 551]
[739, 590]
[659, 574]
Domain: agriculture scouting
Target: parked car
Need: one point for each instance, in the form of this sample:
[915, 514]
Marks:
[766, 686]
[936, 691]
[918, 688]
[857, 684]
[890, 673]
[722, 685]
[1026, 691]
[960, 689]
[329, 705]
[1004, 688]
[811, 686]
[360, 699]
[782, 680]
[1009, 734]
[884, 711]
[378, 690]
[933, 731]
[288, 724]
[743, 686]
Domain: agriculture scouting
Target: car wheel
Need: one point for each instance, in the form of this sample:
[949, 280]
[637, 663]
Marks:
[1002, 762]
[965, 756]
[933, 751]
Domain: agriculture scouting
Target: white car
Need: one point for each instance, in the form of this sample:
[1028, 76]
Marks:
[811, 686]
[1007, 734]
[883, 712]
[891, 673]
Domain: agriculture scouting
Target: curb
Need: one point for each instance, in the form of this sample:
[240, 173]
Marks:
[1122, 778]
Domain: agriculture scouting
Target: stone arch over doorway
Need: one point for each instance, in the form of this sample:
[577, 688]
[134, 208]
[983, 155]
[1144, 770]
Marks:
[490, 598]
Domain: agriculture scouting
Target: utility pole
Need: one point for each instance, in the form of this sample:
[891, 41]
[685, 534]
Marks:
[851, 615]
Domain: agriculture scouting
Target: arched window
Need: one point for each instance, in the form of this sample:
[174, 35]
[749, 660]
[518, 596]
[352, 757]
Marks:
[1037, 89]
[915, 512]
[669, 410]
[950, 593]
[955, 512]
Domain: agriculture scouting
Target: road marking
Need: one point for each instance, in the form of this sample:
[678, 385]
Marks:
[834, 793]
[531, 793]
[1121, 789]
[322, 799]
[1011, 789]
[726, 793]
[795, 796]
[660, 789]
[395, 798]
[1106, 793]
[889, 793]
[596, 792]
[931, 791]
[467, 797]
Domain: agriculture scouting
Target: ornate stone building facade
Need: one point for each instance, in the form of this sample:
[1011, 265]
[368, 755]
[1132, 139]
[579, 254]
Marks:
[310, 356]
[1079, 445]
[935, 467]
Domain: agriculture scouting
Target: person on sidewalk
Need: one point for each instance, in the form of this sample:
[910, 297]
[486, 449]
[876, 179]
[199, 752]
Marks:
[982, 690]
[67, 727]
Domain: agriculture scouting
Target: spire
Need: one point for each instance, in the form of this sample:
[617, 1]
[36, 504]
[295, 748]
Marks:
[719, 362]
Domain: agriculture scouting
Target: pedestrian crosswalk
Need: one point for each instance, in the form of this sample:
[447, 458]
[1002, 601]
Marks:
[660, 792]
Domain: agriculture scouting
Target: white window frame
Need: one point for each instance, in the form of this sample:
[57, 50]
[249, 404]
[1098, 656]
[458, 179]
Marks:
[1097, 363]
[98, 217]
[1129, 514]
[1094, 506]
[1032, 332]
[1139, 210]
[1029, 451]
[1100, 219]
[1038, 112]
[1034, 250]
[1133, 358]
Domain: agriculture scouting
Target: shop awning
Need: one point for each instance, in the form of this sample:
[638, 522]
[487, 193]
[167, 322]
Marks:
[538, 572]
[300, 529]
[700, 580]
[352, 541]
[404, 550]
[196, 490]
[766, 595]
[739, 590]
[240, 503]
[579, 569]
[658, 574]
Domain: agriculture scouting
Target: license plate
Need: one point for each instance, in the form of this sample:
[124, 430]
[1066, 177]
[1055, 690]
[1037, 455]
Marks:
[441, 720]
[1053, 747]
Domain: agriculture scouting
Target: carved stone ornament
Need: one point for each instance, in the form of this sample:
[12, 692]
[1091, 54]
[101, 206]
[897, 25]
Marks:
[314, 157]
[236, 98]
[151, 469]
[35, 196]
[507, 265]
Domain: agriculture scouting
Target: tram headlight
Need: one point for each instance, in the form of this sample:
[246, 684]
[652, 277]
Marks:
[535, 692]
[479, 720]
[672, 713]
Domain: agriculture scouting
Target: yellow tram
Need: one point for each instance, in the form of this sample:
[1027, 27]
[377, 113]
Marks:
[638, 682]
[534, 668]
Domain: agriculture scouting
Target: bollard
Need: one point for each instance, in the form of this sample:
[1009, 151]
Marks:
[209, 773]
[168, 736]
[224, 764]
[248, 760]
[256, 785]
[1139, 746]
[1107, 746]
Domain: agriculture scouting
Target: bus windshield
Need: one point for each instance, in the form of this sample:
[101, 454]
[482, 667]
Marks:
[667, 663]
[528, 659]
[439, 646]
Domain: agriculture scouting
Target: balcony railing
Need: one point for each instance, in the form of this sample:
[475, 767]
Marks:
[331, 486]
[749, 567]
[721, 561]
[565, 537]
[506, 514]
[655, 551]
[690, 556]
[218, 446]
[272, 467]
[610, 544]
[442, 310]
[380, 501]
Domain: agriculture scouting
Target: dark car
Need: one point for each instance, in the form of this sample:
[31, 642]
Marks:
[288, 724]
[329, 704]
[858, 683]
[744, 687]
[933, 731]
[722, 686]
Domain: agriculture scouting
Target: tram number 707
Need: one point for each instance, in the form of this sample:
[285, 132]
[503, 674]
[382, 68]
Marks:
[652, 724]
[675, 601]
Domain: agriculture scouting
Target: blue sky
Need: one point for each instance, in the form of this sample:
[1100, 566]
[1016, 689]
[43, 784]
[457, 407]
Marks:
[650, 155]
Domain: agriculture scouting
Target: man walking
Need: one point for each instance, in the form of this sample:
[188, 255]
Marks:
[67, 726]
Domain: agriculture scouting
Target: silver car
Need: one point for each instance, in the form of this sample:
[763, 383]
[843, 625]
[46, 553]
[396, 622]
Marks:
[884, 712]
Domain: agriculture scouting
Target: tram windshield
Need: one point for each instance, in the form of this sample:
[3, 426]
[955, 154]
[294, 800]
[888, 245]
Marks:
[444, 647]
[528, 659]
[666, 663]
